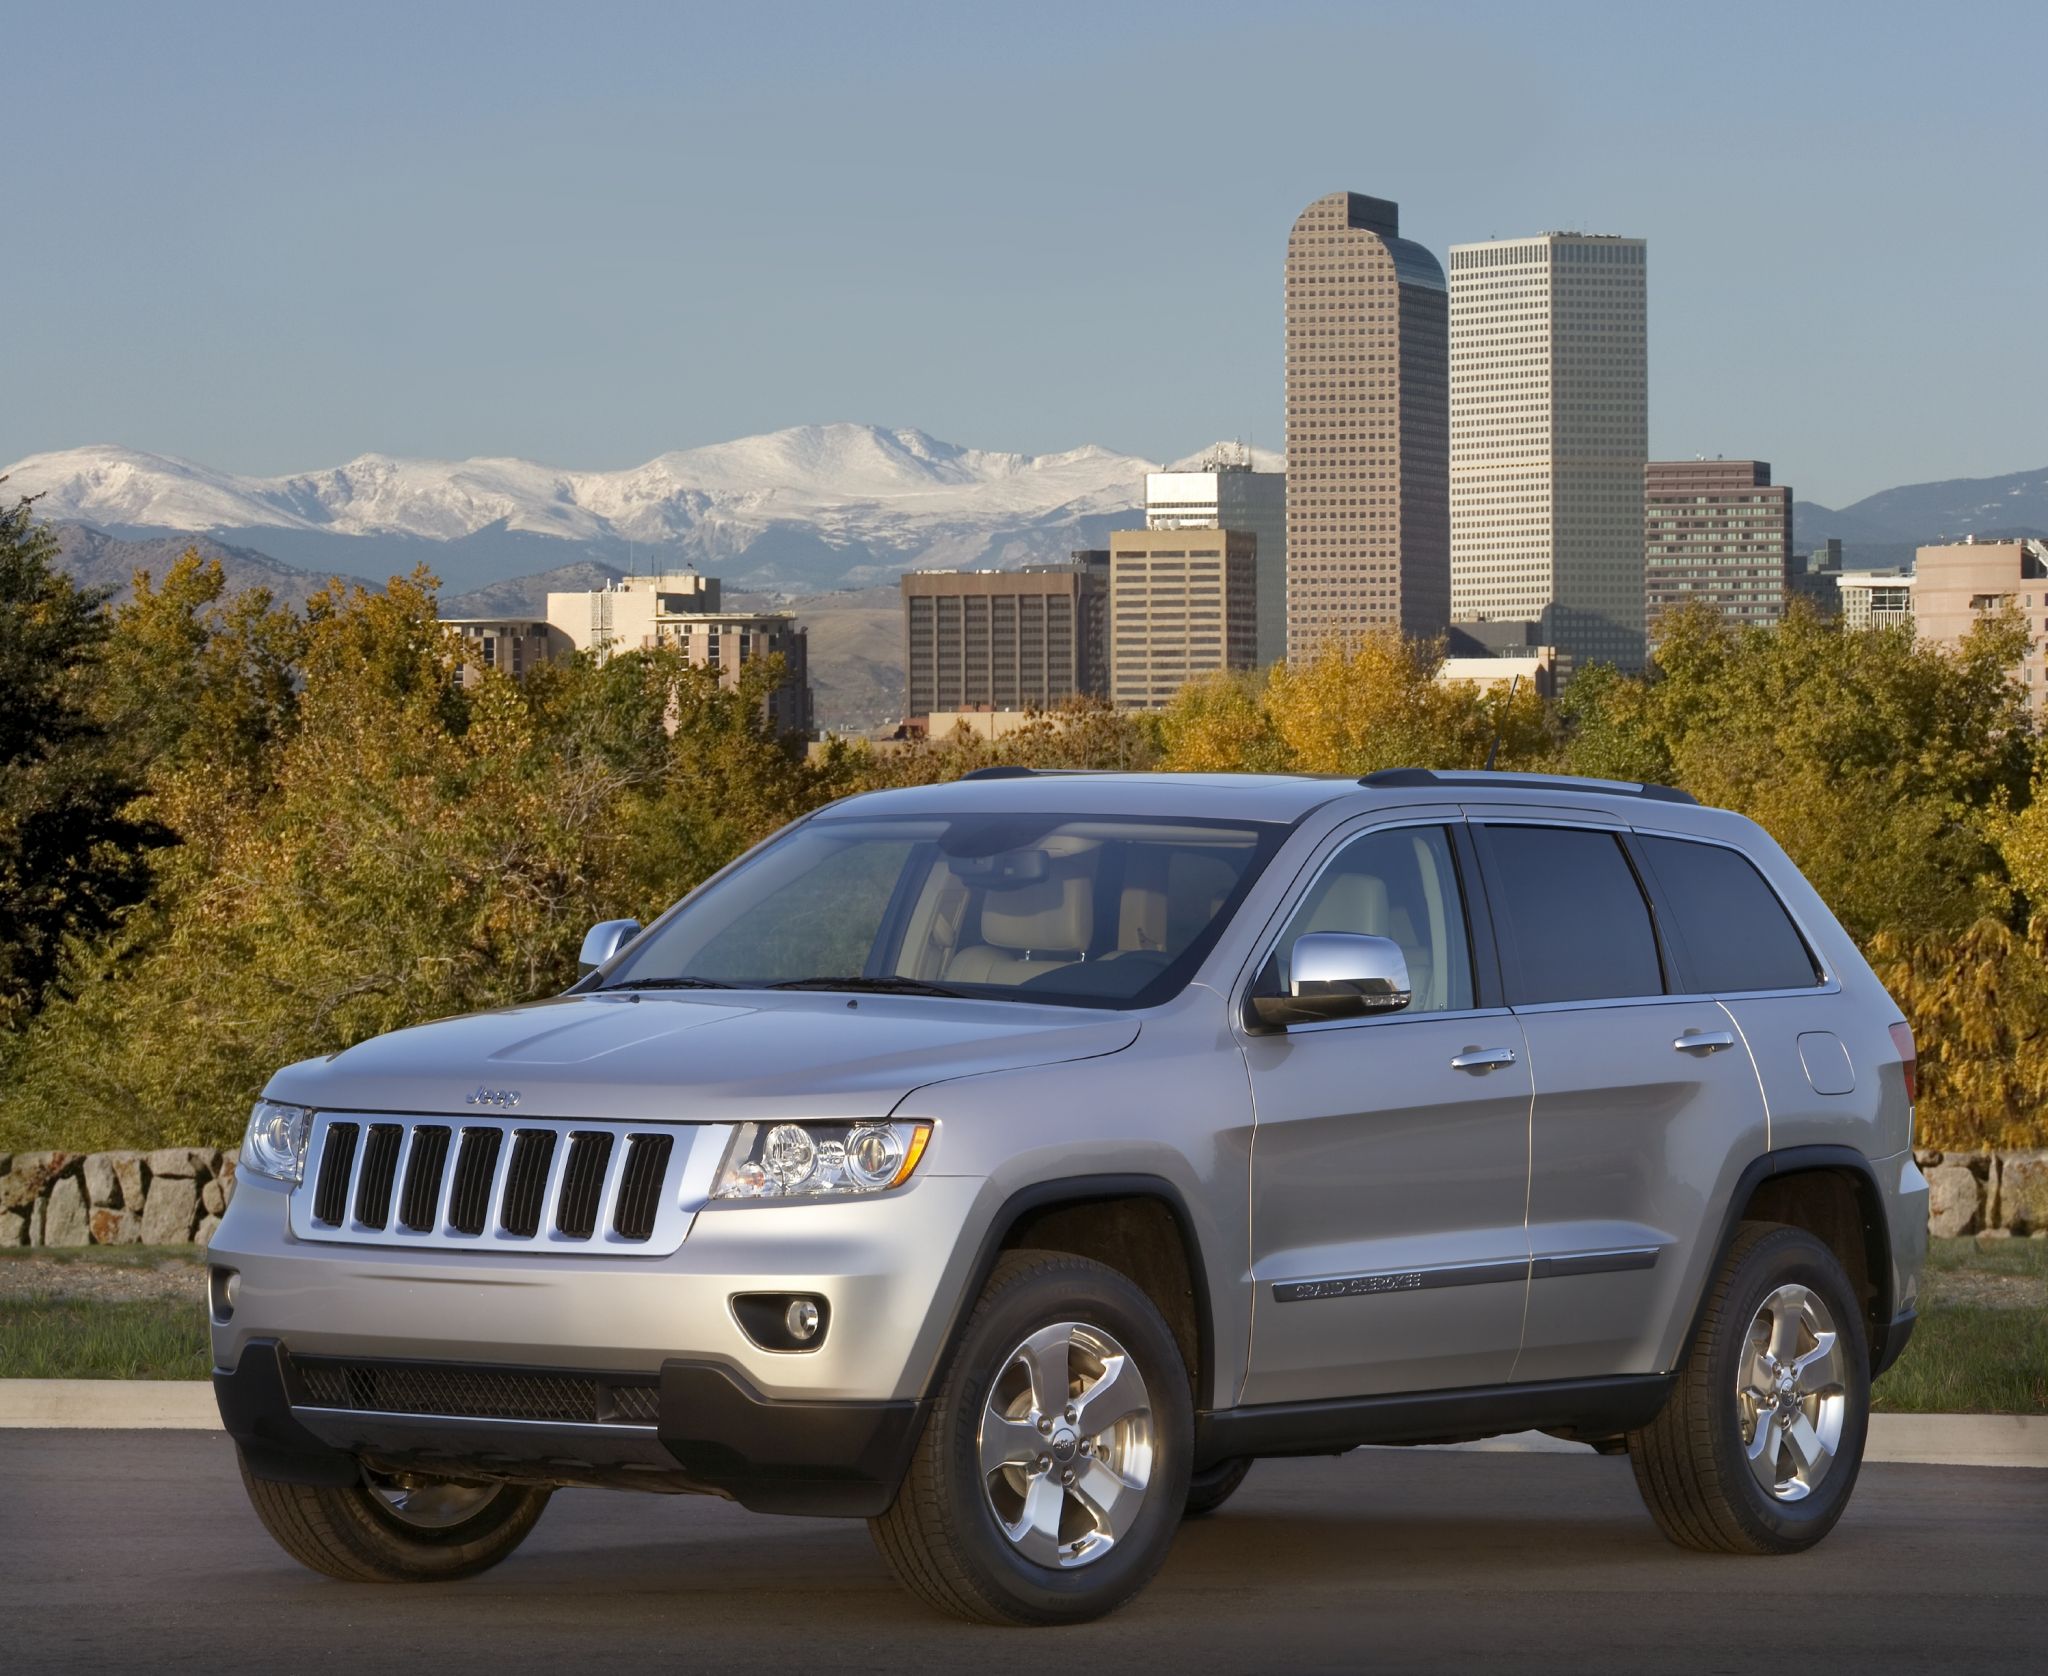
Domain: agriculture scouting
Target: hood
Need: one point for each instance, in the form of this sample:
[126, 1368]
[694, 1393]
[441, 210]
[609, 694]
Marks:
[698, 1058]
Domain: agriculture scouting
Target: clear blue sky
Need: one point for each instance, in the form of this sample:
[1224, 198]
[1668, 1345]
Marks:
[270, 238]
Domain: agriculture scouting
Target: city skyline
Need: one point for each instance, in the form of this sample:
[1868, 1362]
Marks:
[648, 233]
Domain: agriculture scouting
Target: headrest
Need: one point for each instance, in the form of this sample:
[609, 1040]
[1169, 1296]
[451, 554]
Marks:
[1056, 913]
[1354, 902]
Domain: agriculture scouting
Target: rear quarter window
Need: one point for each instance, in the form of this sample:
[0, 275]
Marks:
[1731, 931]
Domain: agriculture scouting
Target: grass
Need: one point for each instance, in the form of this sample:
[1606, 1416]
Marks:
[96, 1338]
[111, 1256]
[1966, 1359]
[2021, 1257]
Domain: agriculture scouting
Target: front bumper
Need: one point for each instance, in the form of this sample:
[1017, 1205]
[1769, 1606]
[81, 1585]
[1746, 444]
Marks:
[892, 1269]
[700, 1427]
[820, 1430]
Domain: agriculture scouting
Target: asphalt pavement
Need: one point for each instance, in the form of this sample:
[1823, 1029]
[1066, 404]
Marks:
[136, 1550]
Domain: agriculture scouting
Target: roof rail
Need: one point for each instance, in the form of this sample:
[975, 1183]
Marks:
[1391, 777]
[1017, 771]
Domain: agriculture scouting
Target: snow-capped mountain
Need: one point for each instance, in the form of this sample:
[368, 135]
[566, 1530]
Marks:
[819, 505]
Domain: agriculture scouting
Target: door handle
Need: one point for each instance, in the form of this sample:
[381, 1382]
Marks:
[1483, 1059]
[1704, 1041]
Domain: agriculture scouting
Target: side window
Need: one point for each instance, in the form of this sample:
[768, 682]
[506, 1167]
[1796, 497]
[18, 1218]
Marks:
[1400, 883]
[1578, 926]
[1733, 932]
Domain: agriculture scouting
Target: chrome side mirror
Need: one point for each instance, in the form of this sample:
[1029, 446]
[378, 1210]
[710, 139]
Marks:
[602, 941]
[1337, 974]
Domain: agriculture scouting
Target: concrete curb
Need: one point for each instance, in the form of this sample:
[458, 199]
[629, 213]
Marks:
[184, 1405]
[1980, 1440]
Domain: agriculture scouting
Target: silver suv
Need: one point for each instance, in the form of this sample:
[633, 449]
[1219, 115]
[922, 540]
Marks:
[1010, 1163]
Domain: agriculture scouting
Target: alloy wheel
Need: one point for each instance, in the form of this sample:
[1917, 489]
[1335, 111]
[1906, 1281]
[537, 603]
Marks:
[428, 1504]
[1066, 1445]
[1791, 1394]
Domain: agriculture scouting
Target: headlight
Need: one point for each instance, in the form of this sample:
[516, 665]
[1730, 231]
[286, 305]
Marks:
[275, 1144]
[819, 1160]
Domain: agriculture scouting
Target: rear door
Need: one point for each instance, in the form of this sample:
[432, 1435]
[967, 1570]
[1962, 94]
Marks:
[1820, 1055]
[1645, 1099]
[1390, 1162]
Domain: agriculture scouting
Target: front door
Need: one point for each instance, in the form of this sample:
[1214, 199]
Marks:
[1390, 1161]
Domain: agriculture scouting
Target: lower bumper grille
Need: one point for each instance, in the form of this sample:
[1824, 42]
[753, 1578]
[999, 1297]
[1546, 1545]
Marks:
[570, 1398]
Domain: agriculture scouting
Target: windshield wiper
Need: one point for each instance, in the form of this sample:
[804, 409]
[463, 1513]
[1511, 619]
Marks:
[668, 983]
[873, 986]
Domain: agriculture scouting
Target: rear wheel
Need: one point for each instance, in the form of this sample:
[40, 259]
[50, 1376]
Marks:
[1757, 1448]
[1211, 1488]
[1054, 1464]
[396, 1528]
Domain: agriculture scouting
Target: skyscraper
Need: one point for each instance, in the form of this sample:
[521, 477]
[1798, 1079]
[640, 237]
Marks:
[1025, 639]
[1224, 492]
[1549, 436]
[1368, 518]
[1719, 533]
[1182, 603]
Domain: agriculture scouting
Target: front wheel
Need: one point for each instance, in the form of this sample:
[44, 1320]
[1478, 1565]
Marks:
[1757, 1448]
[1054, 1464]
[396, 1528]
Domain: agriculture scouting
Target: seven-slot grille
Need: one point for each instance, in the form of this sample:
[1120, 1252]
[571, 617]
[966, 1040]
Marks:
[475, 1393]
[504, 1183]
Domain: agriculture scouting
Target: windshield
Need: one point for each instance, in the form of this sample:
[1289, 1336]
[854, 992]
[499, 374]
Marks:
[1074, 910]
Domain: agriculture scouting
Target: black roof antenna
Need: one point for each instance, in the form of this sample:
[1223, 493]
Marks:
[1502, 723]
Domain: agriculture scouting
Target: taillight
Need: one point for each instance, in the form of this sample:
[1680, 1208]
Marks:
[1909, 1059]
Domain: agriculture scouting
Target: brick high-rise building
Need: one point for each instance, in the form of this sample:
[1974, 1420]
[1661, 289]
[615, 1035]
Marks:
[1368, 510]
[1224, 492]
[1182, 603]
[1549, 436]
[1005, 639]
[1716, 532]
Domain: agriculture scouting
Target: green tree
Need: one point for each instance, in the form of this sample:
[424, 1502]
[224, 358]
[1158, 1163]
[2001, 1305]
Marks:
[72, 858]
[1881, 763]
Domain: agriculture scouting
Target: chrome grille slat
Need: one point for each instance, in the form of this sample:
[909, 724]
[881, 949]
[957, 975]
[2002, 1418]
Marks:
[614, 1180]
[551, 1194]
[399, 1172]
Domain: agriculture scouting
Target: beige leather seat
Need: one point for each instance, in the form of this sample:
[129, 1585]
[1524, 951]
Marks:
[1037, 928]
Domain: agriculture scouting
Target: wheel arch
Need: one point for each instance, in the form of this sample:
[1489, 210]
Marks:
[1832, 1192]
[1136, 1223]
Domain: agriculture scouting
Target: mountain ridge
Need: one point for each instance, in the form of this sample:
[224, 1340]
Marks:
[812, 506]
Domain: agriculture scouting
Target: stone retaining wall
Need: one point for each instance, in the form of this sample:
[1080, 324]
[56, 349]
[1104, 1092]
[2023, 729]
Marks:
[1988, 1193]
[175, 1195]
[172, 1196]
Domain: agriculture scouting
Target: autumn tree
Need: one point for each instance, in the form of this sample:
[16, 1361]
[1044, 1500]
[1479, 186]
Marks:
[1360, 704]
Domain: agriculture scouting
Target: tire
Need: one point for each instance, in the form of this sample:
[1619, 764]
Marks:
[1693, 1463]
[360, 1536]
[942, 1536]
[1209, 1490]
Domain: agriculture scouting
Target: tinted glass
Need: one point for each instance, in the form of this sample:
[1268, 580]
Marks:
[1080, 910]
[1733, 933]
[1579, 928]
[1399, 884]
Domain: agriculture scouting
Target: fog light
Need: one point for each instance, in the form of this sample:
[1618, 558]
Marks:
[225, 1285]
[783, 1320]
